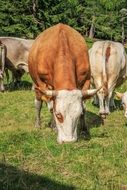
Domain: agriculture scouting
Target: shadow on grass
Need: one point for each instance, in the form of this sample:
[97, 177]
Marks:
[112, 109]
[22, 85]
[12, 178]
[118, 104]
[93, 120]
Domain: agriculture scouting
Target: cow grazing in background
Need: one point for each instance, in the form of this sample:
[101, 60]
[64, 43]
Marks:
[123, 98]
[59, 66]
[2, 65]
[108, 68]
[17, 55]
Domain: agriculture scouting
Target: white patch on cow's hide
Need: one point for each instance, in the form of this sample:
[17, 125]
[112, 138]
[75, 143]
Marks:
[69, 104]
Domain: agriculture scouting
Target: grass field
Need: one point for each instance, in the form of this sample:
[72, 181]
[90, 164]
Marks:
[31, 159]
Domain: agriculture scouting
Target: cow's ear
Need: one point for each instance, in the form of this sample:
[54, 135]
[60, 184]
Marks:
[119, 95]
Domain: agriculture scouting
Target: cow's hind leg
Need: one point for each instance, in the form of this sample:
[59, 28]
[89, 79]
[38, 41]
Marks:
[107, 109]
[109, 98]
[109, 103]
[2, 86]
[95, 100]
[38, 106]
[101, 103]
[112, 102]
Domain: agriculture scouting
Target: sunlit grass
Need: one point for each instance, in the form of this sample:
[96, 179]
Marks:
[97, 163]
[31, 159]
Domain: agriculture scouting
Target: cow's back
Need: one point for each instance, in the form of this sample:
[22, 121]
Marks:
[108, 53]
[17, 50]
[59, 57]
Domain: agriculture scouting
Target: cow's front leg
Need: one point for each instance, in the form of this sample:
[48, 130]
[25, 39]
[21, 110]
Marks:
[38, 106]
[2, 86]
[95, 100]
[107, 101]
[1, 81]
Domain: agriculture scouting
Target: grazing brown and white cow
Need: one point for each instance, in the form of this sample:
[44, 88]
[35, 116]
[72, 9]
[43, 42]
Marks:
[108, 68]
[59, 66]
[17, 55]
[2, 65]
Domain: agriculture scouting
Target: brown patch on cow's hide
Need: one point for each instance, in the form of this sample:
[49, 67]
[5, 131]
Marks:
[59, 117]
[45, 98]
[107, 53]
[105, 88]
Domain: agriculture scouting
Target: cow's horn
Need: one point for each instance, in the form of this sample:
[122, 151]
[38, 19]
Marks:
[119, 95]
[90, 92]
[50, 92]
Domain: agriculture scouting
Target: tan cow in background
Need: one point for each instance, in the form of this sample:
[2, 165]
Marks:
[17, 55]
[108, 63]
[59, 67]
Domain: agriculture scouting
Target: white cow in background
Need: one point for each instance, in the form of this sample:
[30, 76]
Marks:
[108, 63]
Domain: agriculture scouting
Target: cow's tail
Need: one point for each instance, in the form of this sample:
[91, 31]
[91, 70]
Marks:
[105, 57]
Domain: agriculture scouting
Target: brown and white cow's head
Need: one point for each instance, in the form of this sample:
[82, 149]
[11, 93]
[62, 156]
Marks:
[67, 110]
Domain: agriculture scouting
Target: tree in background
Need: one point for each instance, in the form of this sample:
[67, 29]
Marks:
[102, 19]
[123, 19]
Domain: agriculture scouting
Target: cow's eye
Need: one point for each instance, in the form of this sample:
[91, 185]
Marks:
[59, 117]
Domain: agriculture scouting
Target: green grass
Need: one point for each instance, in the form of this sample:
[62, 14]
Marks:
[31, 159]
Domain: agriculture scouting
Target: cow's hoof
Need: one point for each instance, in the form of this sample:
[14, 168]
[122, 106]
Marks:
[2, 91]
[103, 116]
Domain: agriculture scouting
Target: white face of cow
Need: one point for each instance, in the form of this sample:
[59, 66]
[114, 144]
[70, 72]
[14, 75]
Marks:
[67, 111]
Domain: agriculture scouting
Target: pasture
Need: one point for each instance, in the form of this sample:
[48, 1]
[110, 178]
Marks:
[31, 159]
